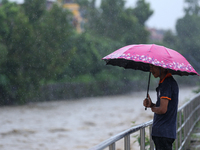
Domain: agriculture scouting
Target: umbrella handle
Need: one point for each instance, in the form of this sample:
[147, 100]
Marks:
[148, 87]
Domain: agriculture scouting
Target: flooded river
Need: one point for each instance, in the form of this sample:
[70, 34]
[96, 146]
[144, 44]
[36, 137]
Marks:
[76, 124]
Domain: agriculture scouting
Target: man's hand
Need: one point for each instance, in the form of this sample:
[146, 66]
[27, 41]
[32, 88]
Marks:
[147, 102]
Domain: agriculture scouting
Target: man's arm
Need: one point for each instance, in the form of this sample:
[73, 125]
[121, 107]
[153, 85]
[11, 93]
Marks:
[162, 109]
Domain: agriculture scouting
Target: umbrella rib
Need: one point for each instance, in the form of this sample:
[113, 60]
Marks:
[167, 51]
[151, 47]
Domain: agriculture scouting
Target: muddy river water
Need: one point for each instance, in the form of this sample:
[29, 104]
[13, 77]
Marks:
[74, 124]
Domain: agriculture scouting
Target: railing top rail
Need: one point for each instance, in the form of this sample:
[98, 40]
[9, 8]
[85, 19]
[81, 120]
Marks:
[191, 99]
[119, 136]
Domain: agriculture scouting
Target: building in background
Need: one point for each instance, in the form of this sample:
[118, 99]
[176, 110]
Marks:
[156, 35]
[77, 20]
[49, 4]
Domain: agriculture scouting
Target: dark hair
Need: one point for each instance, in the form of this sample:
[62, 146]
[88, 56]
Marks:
[166, 70]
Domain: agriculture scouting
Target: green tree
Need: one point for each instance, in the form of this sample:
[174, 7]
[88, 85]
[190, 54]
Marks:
[170, 40]
[16, 37]
[108, 28]
[188, 33]
[118, 23]
[34, 9]
[142, 11]
[86, 64]
[33, 53]
[53, 44]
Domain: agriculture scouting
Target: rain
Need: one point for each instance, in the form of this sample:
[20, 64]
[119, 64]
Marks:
[56, 91]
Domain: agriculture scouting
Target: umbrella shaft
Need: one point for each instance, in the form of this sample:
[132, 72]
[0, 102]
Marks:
[148, 84]
[148, 87]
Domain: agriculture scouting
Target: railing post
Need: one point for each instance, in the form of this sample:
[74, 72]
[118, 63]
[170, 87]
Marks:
[112, 146]
[127, 142]
[185, 123]
[142, 139]
[150, 137]
[180, 132]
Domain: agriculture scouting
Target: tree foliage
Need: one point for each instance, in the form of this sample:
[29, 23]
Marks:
[16, 37]
[34, 9]
[108, 28]
[142, 11]
[32, 53]
[118, 23]
[52, 42]
[170, 40]
[40, 46]
[188, 32]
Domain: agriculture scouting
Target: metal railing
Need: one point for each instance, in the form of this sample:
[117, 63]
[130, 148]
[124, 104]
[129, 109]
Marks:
[187, 117]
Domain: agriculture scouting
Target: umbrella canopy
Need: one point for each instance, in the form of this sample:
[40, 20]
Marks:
[140, 56]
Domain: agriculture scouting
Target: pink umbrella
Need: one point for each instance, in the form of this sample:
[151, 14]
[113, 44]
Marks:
[139, 57]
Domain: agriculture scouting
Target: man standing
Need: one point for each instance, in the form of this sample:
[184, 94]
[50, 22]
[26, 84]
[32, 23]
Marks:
[165, 109]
